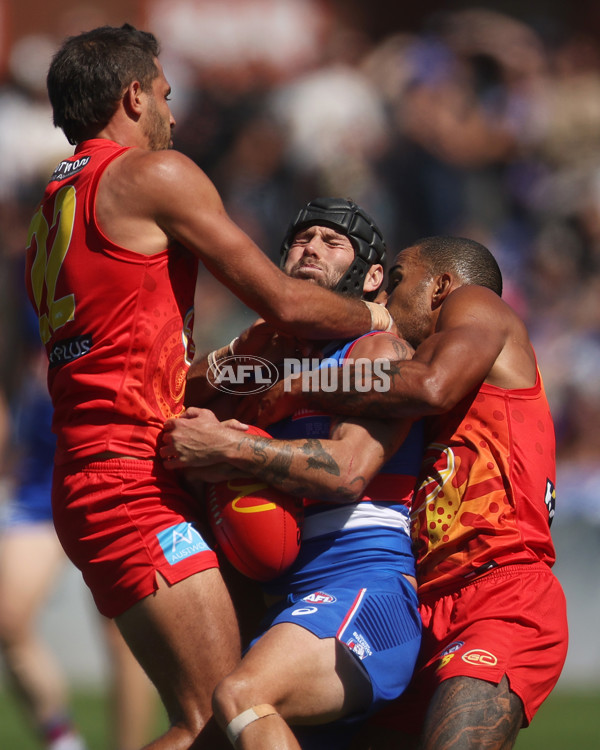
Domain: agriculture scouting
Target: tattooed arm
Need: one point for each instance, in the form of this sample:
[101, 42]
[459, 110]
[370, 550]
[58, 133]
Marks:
[337, 469]
[476, 338]
[301, 391]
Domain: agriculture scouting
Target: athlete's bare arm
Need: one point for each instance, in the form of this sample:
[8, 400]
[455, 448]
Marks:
[477, 338]
[336, 469]
[468, 713]
[147, 199]
[260, 339]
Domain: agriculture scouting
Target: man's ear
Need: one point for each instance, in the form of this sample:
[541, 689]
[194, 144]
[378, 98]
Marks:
[133, 100]
[373, 278]
[441, 289]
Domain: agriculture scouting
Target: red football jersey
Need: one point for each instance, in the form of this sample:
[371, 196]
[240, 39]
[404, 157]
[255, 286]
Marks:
[116, 324]
[485, 495]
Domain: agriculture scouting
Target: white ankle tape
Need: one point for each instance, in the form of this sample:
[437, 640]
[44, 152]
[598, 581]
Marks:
[241, 721]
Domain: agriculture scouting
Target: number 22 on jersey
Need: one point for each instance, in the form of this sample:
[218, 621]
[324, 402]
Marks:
[53, 313]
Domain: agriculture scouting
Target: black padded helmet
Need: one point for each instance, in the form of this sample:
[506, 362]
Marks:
[346, 217]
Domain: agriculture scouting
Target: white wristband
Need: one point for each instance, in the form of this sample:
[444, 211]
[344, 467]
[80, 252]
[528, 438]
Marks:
[381, 320]
[217, 355]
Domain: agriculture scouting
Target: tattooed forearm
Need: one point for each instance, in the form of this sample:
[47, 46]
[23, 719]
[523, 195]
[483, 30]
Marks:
[259, 447]
[302, 468]
[278, 468]
[319, 459]
[391, 399]
[347, 495]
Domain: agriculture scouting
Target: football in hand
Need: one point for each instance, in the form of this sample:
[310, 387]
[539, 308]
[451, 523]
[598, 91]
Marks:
[257, 526]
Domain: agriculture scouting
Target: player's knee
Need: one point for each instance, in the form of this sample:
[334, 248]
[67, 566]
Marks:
[231, 697]
[237, 702]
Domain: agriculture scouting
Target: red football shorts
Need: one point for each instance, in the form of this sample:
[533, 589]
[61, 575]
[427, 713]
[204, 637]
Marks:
[512, 622]
[123, 521]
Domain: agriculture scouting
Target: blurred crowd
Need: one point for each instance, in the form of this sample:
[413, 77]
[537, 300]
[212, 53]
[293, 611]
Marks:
[478, 124]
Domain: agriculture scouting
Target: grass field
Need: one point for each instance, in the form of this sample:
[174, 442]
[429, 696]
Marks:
[91, 714]
[567, 720]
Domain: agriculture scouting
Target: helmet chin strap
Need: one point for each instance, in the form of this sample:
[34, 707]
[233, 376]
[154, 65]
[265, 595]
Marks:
[353, 280]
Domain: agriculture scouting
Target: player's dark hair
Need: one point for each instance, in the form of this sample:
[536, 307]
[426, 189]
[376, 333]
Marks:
[469, 260]
[90, 72]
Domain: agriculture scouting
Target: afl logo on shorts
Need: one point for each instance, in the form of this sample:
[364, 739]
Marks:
[454, 646]
[481, 657]
[448, 653]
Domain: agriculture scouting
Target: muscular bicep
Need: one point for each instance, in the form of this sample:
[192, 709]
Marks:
[362, 446]
[469, 337]
[188, 209]
[194, 215]
[465, 350]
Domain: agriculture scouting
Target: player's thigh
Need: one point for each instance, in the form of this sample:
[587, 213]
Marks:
[186, 638]
[308, 678]
[248, 600]
[30, 560]
[126, 672]
[466, 714]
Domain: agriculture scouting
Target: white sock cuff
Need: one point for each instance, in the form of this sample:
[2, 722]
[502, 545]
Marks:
[241, 721]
